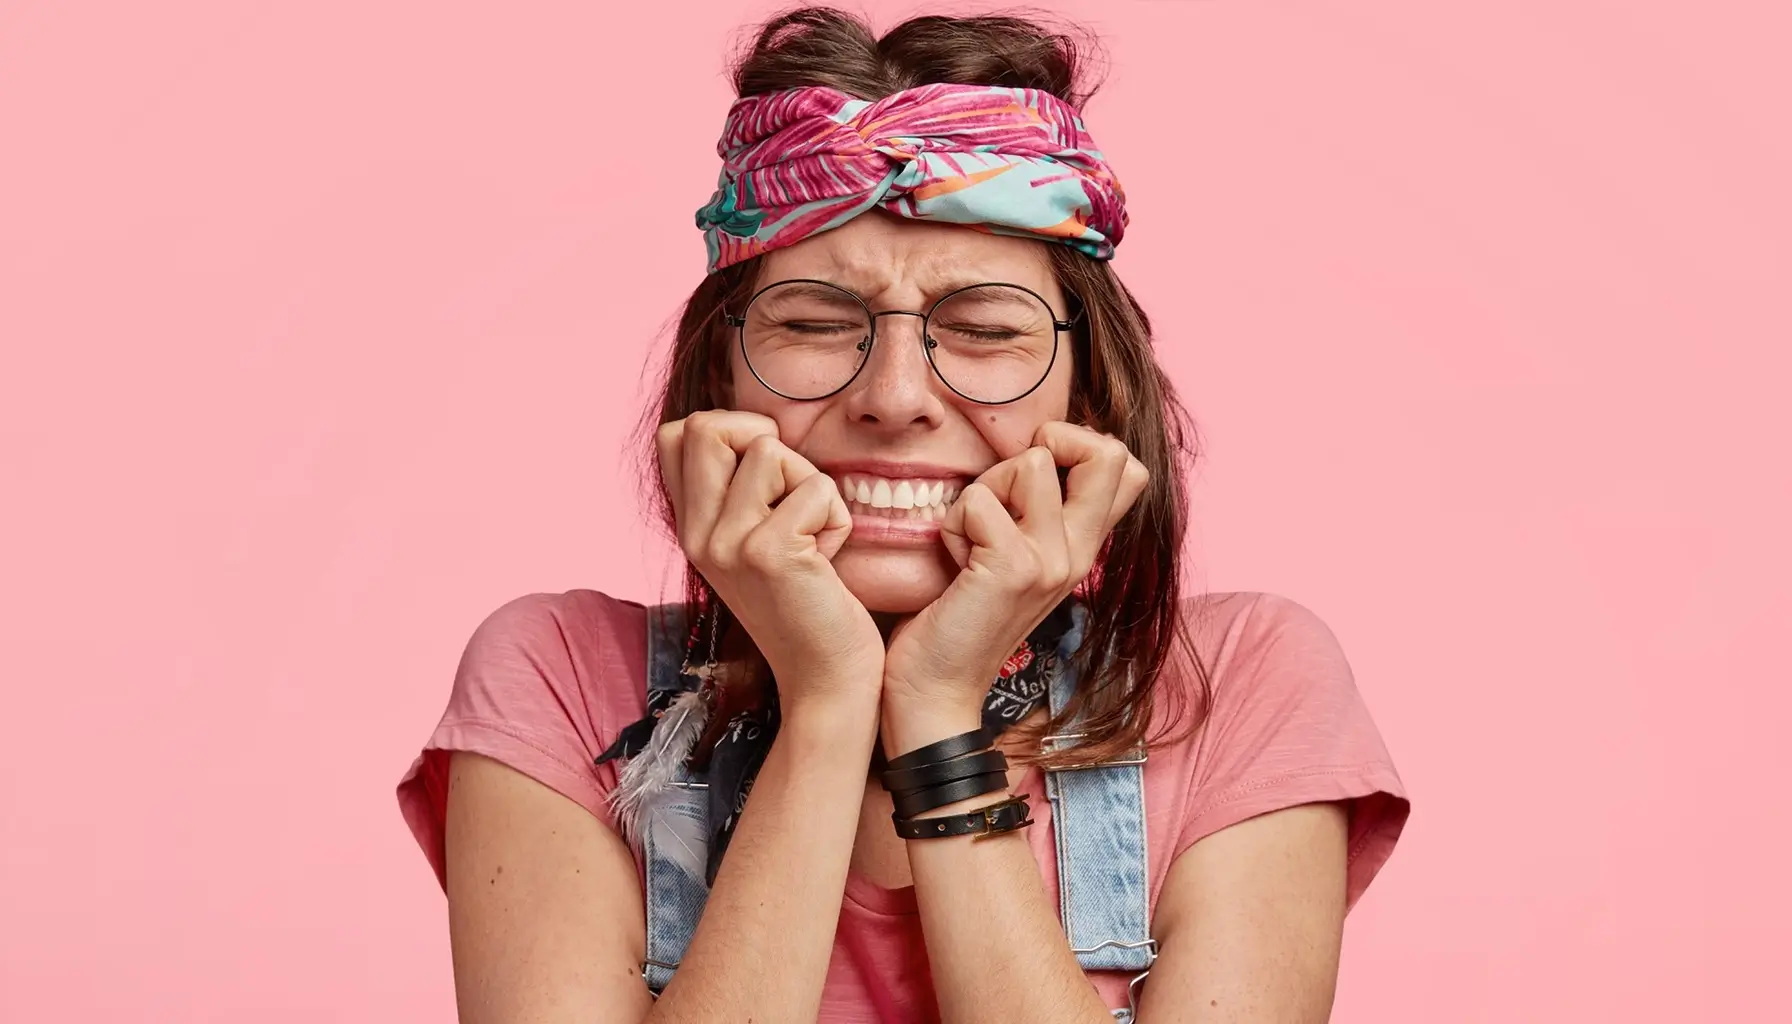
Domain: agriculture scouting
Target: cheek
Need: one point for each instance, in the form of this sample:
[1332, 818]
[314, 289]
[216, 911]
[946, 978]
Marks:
[1009, 429]
[794, 418]
[1007, 433]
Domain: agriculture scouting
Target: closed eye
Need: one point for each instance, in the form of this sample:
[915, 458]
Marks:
[979, 332]
[819, 327]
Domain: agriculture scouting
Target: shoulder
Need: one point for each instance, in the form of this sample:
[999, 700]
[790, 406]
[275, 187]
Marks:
[1252, 619]
[1275, 669]
[560, 670]
[1258, 647]
[570, 622]
[576, 637]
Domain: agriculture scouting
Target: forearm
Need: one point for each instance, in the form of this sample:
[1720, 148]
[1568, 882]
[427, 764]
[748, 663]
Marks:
[997, 950]
[762, 946]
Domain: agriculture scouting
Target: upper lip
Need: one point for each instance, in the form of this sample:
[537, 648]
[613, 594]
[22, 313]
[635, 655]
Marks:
[893, 470]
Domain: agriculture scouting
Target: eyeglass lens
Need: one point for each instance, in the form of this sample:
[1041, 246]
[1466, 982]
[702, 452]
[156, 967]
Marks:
[990, 343]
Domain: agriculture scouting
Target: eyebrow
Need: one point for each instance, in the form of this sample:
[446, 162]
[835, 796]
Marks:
[930, 294]
[813, 287]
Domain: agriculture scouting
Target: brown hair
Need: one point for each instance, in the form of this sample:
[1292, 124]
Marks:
[1117, 387]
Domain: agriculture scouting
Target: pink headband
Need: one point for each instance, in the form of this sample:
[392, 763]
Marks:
[1010, 161]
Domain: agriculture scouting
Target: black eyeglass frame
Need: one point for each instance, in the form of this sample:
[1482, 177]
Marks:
[928, 344]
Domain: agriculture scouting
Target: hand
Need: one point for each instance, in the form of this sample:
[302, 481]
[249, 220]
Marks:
[1021, 549]
[761, 523]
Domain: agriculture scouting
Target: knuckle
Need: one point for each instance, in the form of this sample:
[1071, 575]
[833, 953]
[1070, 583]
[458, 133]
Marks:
[700, 426]
[818, 487]
[1027, 564]
[1081, 569]
[697, 555]
[760, 550]
[719, 554]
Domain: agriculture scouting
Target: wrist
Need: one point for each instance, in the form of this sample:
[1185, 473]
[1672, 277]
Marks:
[845, 719]
[909, 723]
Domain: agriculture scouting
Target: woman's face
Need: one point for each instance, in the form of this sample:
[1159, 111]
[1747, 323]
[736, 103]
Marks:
[898, 421]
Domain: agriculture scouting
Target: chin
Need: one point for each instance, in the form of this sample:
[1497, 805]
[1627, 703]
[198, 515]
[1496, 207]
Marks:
[899, 581]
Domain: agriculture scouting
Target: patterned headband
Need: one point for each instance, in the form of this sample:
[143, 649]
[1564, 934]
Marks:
[1009, 161]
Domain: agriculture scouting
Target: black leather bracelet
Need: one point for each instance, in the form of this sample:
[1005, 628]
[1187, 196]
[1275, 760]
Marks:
[923, 800]
[1007, 816]
[904, 780]
[946, 749]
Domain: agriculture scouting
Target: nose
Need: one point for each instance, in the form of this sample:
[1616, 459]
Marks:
[896, 386]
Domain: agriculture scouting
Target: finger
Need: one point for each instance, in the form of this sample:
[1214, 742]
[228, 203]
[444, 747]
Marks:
[1036, 501]
[1098, 466]
[998, 480]
[813, 508]
[767, 472]
[1004, 477]
[986, 533]
[669, 439]
[952, 528]
[957, 545]
[1133, 481]
[1026, 486]
[713, 444]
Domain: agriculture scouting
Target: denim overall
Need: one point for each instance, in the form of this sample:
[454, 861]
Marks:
[1098, 822]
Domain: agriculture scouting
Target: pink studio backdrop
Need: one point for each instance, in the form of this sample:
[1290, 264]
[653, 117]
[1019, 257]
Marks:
[324, 323]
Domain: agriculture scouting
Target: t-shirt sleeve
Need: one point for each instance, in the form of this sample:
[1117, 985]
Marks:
[543, 686]
[1287, 726]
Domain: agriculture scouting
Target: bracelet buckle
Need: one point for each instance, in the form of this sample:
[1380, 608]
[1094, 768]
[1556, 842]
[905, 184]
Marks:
[989, 818]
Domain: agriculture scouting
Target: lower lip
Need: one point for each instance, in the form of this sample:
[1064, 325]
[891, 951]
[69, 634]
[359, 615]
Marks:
[887, 531]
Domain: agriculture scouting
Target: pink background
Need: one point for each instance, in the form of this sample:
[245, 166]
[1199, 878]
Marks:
[324, 322]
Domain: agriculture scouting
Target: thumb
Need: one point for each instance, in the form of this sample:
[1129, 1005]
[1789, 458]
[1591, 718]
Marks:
[815, 507]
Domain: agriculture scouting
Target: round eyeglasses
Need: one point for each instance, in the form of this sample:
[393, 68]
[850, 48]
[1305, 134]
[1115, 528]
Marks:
[990, 343]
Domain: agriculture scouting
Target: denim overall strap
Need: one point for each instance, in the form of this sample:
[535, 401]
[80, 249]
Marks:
[1098, 820]
[674, 898]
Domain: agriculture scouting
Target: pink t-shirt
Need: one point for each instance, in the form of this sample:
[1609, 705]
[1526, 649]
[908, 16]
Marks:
[547, 681]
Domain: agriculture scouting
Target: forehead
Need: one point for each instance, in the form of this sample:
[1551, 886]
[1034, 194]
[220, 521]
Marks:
[878, 254]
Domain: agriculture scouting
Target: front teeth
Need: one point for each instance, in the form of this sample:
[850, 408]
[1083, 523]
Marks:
[899, 499]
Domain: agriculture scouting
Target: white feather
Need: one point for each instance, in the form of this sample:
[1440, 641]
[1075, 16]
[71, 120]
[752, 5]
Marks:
[647, 776]
[681, 838]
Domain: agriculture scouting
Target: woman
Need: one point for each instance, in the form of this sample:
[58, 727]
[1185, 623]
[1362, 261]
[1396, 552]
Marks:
[916, 450]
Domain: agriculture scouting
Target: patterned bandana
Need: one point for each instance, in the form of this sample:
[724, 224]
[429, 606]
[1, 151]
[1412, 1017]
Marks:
[745, 735]
[1009, 161]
